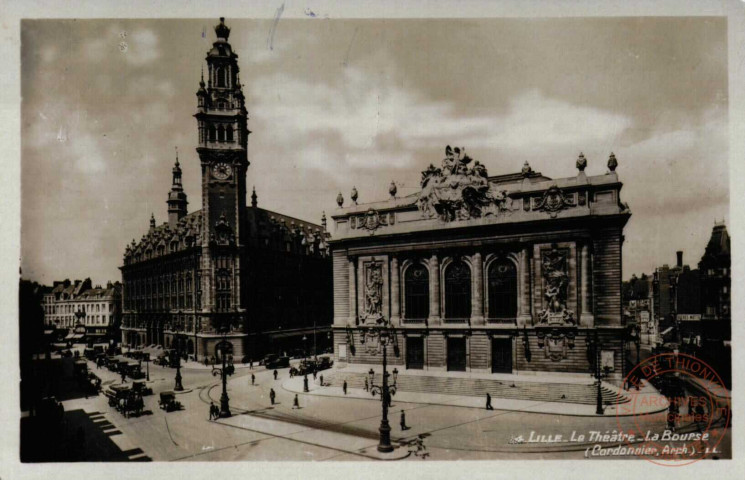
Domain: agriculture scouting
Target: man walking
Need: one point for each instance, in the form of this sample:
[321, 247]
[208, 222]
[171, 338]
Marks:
[275, 374]
[272, 395]
[367, 387]
[321, 380]
[212, 410]
[314, 374]
[344, 387]
[403, 421]
[253, 379]
[295, 403]
[488, 402]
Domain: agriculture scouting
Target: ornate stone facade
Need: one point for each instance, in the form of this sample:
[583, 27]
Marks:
[502, 273]
[259, 276]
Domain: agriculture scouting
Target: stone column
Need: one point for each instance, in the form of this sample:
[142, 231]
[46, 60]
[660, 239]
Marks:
[586, 319]
[524, 314]
[434, 289]
[395, 292]
[352, 292]
[477, 294]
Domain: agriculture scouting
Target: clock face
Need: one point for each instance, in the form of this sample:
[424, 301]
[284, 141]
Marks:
[222, 171]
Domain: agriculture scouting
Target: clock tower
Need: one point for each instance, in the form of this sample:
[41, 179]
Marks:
[223, 139]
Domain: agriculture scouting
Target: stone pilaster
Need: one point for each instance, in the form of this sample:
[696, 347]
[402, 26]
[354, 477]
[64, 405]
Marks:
[352, 292]
[586, 319]
[434, 290]
[477, 295]
[395, 292]
[524, 314]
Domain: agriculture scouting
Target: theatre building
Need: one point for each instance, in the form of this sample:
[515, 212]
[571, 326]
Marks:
[259, 279]
[516, 273]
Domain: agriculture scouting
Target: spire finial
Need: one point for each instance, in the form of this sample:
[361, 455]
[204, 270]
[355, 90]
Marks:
[152, 220]
[254, 198]
[392, 189]
[323, 220]
[176, 147]
[354, 195]
[340, 199]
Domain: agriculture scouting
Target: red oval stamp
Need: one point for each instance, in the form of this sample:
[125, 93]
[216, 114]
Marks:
[679, 409]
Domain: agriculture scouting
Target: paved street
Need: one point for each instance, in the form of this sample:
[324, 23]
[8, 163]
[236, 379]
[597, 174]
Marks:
[328, 428]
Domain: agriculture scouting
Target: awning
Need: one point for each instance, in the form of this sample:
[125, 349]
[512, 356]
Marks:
[78, 335]
[666, 331]
[69, 336]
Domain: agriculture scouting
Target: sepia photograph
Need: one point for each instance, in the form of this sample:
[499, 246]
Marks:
[309, 237]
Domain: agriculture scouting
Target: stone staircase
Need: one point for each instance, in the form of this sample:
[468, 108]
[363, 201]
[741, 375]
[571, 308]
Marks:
[585, 394]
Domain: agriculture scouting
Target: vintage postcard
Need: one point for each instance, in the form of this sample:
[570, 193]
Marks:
[329, 234]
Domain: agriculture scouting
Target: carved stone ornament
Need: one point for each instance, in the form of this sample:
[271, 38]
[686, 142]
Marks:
[373, 292]
[371, 221]
[459, 192]
[553, 201]
[223, 232]
[555, 342]
[554, 270]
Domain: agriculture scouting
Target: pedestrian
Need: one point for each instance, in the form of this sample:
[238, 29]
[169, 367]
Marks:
[321, 380]
[212, 410]
[295, 403]
[253, 379]
[124, 376]
[275, 374]
[344, 387]
[292, 372]
[251, 365]
[403, 421]
[367, 387]
[314, 374]
[272, 395]
[488, 402]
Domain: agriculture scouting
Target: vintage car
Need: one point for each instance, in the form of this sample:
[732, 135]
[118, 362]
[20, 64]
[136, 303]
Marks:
[125, 400]
[141, 388]
[325, 362]
[306, 367]
[112, 363]
[273, 361]
[168, 401]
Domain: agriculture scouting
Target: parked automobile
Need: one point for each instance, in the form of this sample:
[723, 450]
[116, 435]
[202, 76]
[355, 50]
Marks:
[168, 401]
[273, 361]
[325, 362]
[141, 388]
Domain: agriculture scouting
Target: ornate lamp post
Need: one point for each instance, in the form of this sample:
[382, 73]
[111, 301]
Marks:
[147, 366]
[179, 387]
[593, 345]
[224, 372]
[384, 333]
[305, 364]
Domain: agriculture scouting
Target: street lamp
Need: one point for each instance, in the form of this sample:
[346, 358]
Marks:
[178, 387]
[147, 366]
[305, 365]
[224, 372]
[593, 344]
[385, 335]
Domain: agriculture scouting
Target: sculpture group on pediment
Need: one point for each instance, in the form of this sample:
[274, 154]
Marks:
[554, 269]
[458, 191]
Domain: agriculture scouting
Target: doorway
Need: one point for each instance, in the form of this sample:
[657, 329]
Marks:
[415, 353]
[456, 354]
[501, 355]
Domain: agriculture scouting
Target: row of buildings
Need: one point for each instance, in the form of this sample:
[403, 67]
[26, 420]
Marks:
[80, 312]
[685, 305]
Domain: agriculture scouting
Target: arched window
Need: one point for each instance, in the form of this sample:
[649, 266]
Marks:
[457, 290]
[229, 133]
[220, 134]
[212, 133]
[502, 289]
[416, 292]
[221, 77]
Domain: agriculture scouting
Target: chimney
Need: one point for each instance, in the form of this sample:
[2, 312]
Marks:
[679, 253]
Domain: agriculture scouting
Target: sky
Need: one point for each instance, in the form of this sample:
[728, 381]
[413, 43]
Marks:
[340, 103]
